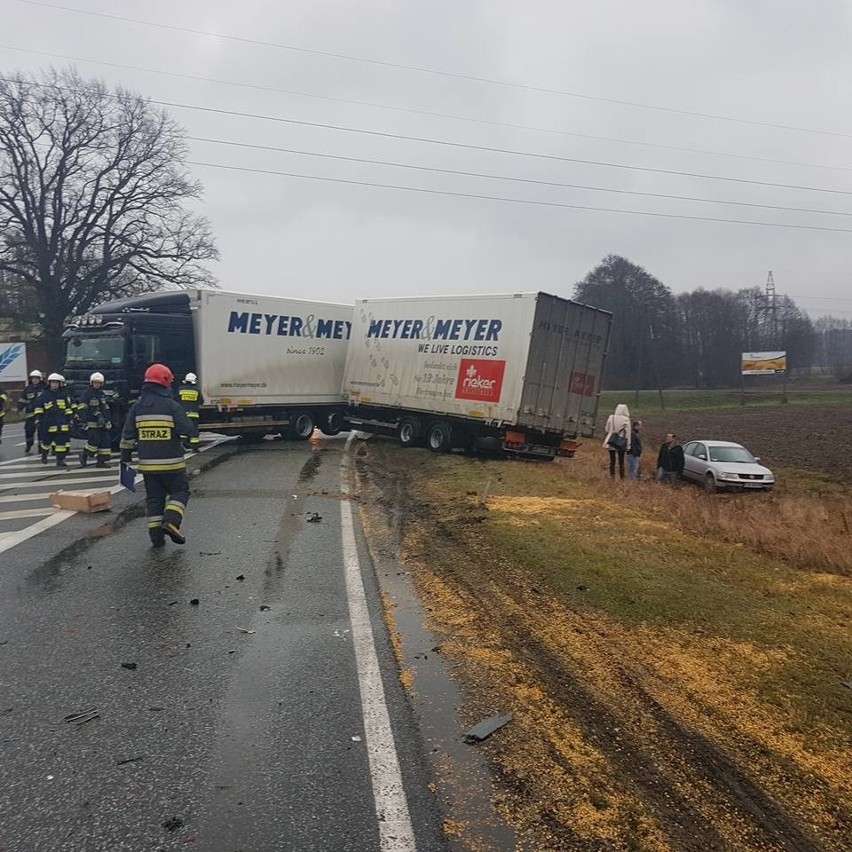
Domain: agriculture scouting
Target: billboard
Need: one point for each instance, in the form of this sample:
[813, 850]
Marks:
[13, 362]
[764, 363]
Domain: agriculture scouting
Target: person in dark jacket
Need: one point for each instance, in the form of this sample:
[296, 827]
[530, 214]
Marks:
[189, 396]
[54, 410]
[154, 426]
[93, 410]
[4, 398]
[670, 460]
[27, 406]
[635, 450]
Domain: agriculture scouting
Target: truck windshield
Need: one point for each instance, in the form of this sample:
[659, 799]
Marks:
[104, 351]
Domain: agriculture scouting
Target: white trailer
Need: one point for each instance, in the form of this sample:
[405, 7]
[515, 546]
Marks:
[265, 364]
[516, 373]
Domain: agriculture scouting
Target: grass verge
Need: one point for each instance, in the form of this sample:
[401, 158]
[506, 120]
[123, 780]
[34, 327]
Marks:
[674, 660]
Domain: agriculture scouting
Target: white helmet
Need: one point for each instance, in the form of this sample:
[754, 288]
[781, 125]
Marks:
[36, 374]
[56, 377]
[191, 378]
[97, 377]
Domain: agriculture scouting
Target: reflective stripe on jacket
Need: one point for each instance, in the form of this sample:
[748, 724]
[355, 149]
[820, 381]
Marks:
[55, 409]
[154, 427]
[190, 398]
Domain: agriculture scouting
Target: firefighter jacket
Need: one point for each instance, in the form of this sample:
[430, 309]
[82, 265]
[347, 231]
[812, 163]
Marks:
[190, 398]
[154, 427]
[55, 409]
[93, 408]
[29, 397]
[4, 398]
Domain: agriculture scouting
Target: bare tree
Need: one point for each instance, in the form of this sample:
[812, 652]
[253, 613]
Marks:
[93, 185]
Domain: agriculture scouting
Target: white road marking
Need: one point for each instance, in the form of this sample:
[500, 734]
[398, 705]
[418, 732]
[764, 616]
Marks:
[15, 514]
[13, 539]
[20, 498]
[10, 540]
[41, 483]
[62, 472]
[395, 831]
[28, 459]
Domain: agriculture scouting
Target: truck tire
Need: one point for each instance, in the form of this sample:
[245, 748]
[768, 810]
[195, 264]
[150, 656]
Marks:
[301, 426]
[333, 423]
[408, 432]
[439, 437]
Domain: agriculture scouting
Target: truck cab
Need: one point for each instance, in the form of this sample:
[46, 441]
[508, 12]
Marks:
[122, 338]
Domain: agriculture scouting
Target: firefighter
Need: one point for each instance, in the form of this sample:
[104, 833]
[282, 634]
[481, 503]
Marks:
[154, 426]
[27, 405]
[93, 410]
[191, 399]
[4, 398]
[54, 410]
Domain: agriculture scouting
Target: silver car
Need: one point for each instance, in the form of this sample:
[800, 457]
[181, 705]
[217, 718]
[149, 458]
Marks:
[723, 466]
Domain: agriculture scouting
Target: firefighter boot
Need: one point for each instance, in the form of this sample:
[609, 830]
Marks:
[60, 461]
[158, 538]
[174, 533]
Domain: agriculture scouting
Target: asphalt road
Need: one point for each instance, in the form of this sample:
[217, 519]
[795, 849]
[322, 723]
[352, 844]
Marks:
[260, 709]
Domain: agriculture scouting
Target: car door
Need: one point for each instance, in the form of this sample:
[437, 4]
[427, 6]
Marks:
[692, 463]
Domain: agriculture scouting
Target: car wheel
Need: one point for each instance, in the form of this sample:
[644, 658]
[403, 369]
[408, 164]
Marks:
[408, 432]
[710, 484]
[439, 437]
[301, 426]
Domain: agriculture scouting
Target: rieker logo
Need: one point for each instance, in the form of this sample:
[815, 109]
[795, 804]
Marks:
[480, 380]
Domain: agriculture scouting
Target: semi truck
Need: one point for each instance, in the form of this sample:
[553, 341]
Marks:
[515, 374]
[265, 364]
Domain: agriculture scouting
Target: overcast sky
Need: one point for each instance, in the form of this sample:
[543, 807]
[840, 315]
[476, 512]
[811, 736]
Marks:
[775, 62]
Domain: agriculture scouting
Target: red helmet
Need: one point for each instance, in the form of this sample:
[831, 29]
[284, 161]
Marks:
[159, 374]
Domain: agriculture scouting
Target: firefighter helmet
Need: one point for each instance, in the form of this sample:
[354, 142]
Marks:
[191, 378]
[56, 377]
[159, 374]
[97, 377]
[36, 374]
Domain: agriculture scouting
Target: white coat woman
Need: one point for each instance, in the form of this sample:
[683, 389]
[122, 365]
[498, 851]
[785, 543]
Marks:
[617, 427]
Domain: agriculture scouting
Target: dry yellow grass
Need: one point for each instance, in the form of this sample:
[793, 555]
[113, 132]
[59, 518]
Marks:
[670, 665]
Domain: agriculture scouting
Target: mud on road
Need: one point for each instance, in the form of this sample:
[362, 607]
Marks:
[605, 752]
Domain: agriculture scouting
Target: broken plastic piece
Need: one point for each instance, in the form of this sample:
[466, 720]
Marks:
[484, 729]
[314, 517]
[130, 666]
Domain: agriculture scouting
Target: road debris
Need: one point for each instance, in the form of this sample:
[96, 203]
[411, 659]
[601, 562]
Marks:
[241, 577]
[356, 739]
[81, 718]
[209, 552]
[130, 666]
[264, 607]
[314, 517]
[485, 728]
[173, 824]
[340, 634]
[194, 602]
[246, 630]
[130, 760]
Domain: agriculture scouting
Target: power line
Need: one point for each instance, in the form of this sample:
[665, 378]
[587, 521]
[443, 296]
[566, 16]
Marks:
[514, 200]
[433, 71]
[463, 173]
[491, 149]
[428, 113]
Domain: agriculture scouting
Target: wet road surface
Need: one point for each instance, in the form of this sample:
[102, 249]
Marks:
[237, 723]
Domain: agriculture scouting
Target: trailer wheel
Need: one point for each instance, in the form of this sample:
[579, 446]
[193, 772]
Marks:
[408, 432]
[333, 424]
[301, 426]
[439, 437]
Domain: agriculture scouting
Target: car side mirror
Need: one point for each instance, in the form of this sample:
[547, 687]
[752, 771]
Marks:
[757, 458]
[702, 457]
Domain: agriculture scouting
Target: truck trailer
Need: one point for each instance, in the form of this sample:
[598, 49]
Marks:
[264, 364]
[513, 374]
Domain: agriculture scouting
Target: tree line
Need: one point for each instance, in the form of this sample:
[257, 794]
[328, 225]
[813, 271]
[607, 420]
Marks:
[661, 339]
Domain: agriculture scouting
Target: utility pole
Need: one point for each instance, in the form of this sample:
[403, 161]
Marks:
[772, 313]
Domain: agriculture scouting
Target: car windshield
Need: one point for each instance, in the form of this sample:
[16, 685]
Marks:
[102, 351]
[731, 454]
